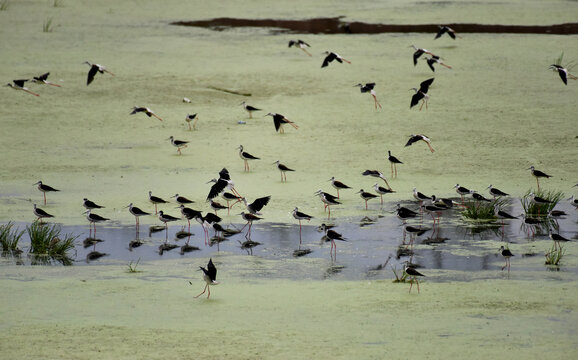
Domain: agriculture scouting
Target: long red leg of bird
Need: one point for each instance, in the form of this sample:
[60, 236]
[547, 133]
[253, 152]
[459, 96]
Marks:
[395, 167]
[206, 286]
[53, 84]
[430, 147]
[347, 61]
[417, 283]
[209, 291]
[299, 231]
[423, 102]
[45, 196]
[306, 52]
[381, 196]
[30, 92]
[329, 216]
[293, 124]
[410, 284]
[376, 102]
[157, 117]
[190, 127]
[365, 204]
[449, 67]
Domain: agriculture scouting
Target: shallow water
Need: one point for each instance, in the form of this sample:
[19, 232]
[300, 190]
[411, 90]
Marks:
[497, 112]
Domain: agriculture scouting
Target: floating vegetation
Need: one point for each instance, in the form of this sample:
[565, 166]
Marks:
[47, 25]
[47, 244]
[554, 255]
[532, 209]
[9, 239]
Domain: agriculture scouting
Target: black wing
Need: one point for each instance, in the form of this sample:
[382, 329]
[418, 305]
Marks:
[258, 204]
[414, 101]
[431, 63]
[291, 43]
[217, 188]
[301, 42]
[369, 86]
[424, 86]
[413, 138]
[329, 58]
[212, 218]
[224, 174]
[562, 73]
[443, 29]
[416, 56]
[20, 83]
[42, 77]
[452, 34]
[211, 270]
[91, 73]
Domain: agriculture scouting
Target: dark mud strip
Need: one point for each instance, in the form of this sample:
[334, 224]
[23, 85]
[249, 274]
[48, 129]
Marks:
[336, 26]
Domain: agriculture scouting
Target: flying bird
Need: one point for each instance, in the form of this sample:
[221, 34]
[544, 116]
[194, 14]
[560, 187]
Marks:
[42, 79]
[279, 120]
[301, 45]
[210, 277]
[448, 30]
[415, 138]
[419, 52]
[333, 56]
[563, 72]
[95, 68]
[435, 60]
[369, 88]
[145, 110]
[19, 85]
[421, 94]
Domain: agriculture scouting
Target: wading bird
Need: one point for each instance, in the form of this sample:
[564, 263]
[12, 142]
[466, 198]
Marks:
[327, 200]
[369, 88]
[210, 278]
[179, 144]
[19, 85]
[194, 118]
[283, 169]
[393, 161]
[41, 214]
[538, 174]
[145, 110]
[257, 205]
[366, 196]
[182, 200]
[250, 109]
[431, 61]
[166, 218]
[420, 137]
[301, 45]
[507, 254]
[246, 157]
[420, 196]
[563, 72]
[381, 191]
[298, 215]
[45, 188]
[279, 120]
[557, 238]
[249, 218]
[496, 192]
[95, 68]
[413, 274]
[338, 185]
[421, 94]
[156, 200]
[137, 212]
[332, 56]
[332, 235]
[404, 213]
[42, 79]
[419, 52]
[90, 205]
[462, 191]
[189, 214]
[217, 206]
[94, 218]
[448, 30]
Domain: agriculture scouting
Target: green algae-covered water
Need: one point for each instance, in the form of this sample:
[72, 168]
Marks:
[494, 114]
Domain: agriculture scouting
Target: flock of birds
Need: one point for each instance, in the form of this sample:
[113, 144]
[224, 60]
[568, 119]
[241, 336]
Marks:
[223, 185]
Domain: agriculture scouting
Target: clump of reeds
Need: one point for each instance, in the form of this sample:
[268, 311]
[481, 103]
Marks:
[399, 278]
[9, 239]
[47, 244]
[554, 255]
[482, 210]
[48, 25]
[132, 266]
[532, 210]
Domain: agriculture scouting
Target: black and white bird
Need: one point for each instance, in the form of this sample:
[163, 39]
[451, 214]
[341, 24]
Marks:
[448, 30]
[330, 56]
[420, 137]
[194, 118]
[479, 197]
[19, 85]
[45, 188]
[43, 79]
[431, 61]
[538, 174]
[145, 110]
[381, 191]
[298, 215]
[257, 205]
[156, 200]
[41, 214]
[95, 68]
[219, 186]
[419, 52]
[327, 200]
[189, 214]
[412, 272]
[368, 88]
[366, 196]
[89, 205]
[393, 161]
[500, 214]
[404, 213]
[557, 238]
[210, 277]
[377, 174]
[279, 120]
[249, 218]
[507, 254]
[538, 200]
[182, 200]
[166, 218]
[419, 196]
[332, 235]
[338, 185]
[496, 192]
[246, 157]
[137, 212]
[217, 206]
[283, 170]
[462, 191]
[563, 72]
[421, 94]
[250, 109]
[94, 218]
[179, 144]
[301, 45]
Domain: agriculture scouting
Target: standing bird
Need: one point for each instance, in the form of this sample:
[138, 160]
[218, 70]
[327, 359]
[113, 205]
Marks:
[89, 205]
[249, 218]
[381, 191]
[301, 45]
[283, 169]
[45, 188]
[182, 200]
[327, 200]
[415, 138]
[194, 118]
[298, 215]
[446, 29]
[250, 109]
[179, 144]
[421, 197]
[137, 212]
[246, 157]
[366, 196]
[462, 191]
[41, 214]
[279, 120]
[421, 94]
[156, 200]
[332, 235]
[538, 174]
[166, 218]
[369, 88]
[210, 277]
[557, 238]
[563, 72]
[338, 185]
[412, 273]
[145, 110]
[419, 52]
[404, 213]
[333, 56]
[95, 68]
[189, 214]
[19, 85]
[94, 218]
[217, 206]
[507, 254]
[42, 79]
[496, 192]
[393, 161]
[435, 60]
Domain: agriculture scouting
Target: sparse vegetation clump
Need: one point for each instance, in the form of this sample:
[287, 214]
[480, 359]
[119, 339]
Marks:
[554, 255]
[532, 209]
[9, 239]
[47, 244]
[132, 266]
[47, 25]
[399, 278]
[4, 5]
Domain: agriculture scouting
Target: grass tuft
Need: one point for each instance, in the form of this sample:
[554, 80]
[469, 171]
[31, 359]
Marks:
[398, 278]
[482, 210]
[535, 210]
[4, 5]
[48, 25]
[132, 266]
[57, 3]
[554, 256]
[9, 239]
[46, 244]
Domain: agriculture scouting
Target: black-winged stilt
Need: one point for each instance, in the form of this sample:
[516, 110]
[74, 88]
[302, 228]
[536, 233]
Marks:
[446, 29]
[41, 214]
[538, 174]
[330, 56]
[144, 110]
[413, 274]
[283, 169]
[301, 45]
[366, 196]
[19, 85]
[338, 185]
[431, 61]
[137, 212]
[90, 205]
[43, 79]
[393, 161]
[279, 120]
[419, 52]
[368, 87]
[246, 157]
[95, 68]
[563, 72]
[44, 188]
[507, 254]
[496, 192]
[421, 94]
[298, 215]
[420, 137]
[381, 191]
[156, 200]
[250, 109]
[179, 144]
[194, 118]
[210, 277]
